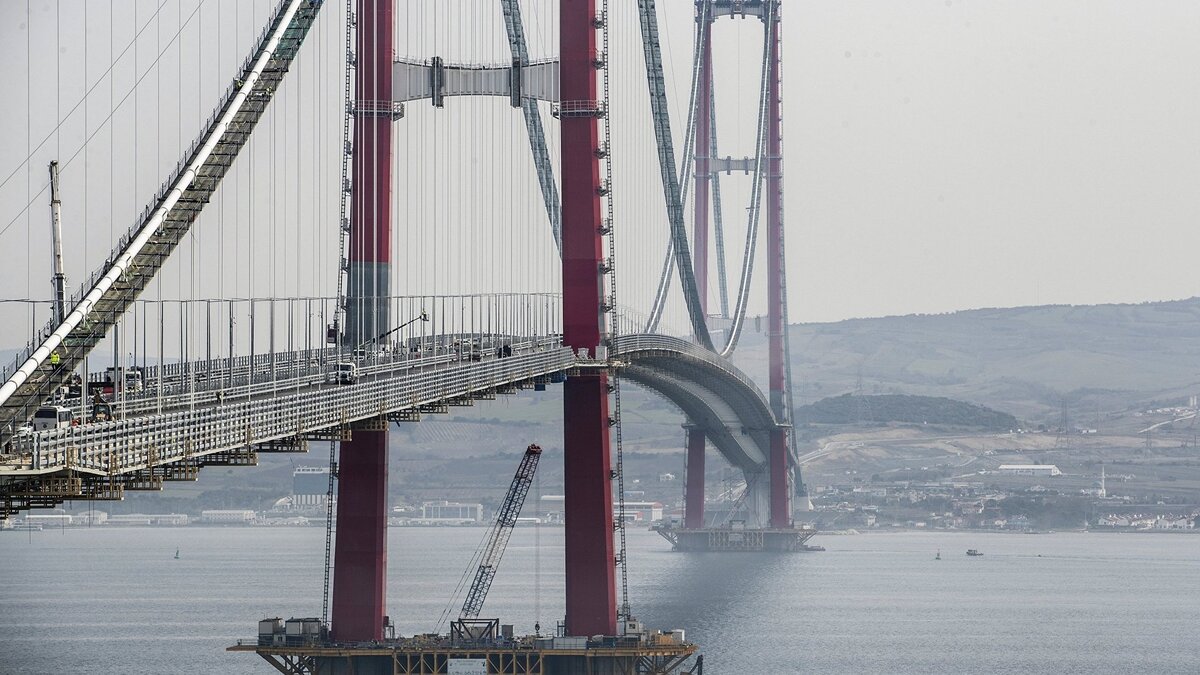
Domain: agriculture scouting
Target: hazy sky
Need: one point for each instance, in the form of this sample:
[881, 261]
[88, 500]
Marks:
[939, 155]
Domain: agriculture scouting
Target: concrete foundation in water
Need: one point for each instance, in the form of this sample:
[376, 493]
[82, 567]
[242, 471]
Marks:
[480, 648]
[783, 539]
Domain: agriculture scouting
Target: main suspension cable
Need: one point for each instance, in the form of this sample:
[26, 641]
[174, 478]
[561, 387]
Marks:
[675, 182]
[739, 315]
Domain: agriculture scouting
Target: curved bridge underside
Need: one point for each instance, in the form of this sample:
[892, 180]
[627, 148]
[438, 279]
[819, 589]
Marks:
[717, 398]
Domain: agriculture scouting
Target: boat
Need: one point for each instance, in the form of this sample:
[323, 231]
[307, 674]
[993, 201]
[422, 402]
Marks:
[177, 554]
[939, 555]
[973, 552]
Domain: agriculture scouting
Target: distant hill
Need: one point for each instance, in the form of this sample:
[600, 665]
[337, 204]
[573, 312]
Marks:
[905, 409]
[1026, 360]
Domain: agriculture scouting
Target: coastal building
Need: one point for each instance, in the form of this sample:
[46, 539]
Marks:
[48, 520]
[146, 519]
[90, 517]
[1019, 522]
[642, 512]
[227, 516]
[1046, 470]
[452, 512]
[1148, 522]
[310, 487]
[1173, 523]
[551, 507]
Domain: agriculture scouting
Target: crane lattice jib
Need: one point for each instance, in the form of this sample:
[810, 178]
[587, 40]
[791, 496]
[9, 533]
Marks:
[506, 520]
[141, 252]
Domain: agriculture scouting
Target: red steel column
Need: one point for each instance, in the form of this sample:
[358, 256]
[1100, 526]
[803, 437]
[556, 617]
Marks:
[781, 502]
[360, 555]
[371, 179]
[693, 509]
[590, 563]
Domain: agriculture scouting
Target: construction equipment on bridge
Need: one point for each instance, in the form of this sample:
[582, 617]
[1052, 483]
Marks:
[141, 252]
[497, 541]
[60, 277]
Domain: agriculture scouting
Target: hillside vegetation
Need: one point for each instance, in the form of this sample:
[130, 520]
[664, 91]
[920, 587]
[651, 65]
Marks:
[904, 409]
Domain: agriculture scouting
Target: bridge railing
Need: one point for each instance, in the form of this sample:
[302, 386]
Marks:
[674, 345]
[286, 338]
[134, 442]
[195, 384]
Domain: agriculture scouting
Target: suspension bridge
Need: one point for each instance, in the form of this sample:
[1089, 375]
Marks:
[203, 381]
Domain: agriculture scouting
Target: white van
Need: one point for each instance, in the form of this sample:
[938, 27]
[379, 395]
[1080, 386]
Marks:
[52, 417]
[346, 373]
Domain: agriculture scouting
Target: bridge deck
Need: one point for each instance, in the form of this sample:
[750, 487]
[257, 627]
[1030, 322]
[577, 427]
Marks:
[221, 412]
[212, 418]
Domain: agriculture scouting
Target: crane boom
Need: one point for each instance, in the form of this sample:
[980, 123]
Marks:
[506, 520]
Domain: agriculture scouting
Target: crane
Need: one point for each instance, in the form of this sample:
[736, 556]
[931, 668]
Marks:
[506, 520]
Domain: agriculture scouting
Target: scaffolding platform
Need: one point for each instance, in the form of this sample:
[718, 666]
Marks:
[736, 539]
[490, 652]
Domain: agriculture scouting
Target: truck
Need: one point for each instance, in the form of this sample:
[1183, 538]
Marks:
[115, 380]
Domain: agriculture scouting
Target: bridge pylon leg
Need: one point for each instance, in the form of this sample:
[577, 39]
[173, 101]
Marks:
[781, 498]
[693, 512]
[780, 488]
[360, 554]
[590, 562]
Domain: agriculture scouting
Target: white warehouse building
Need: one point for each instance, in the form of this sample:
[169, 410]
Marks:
[1030, 470]
[452, 512]
[227, 516]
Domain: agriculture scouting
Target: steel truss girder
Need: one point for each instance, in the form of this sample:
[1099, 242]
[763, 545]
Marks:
[292, 664]
[52, 490]
[435, 80]
[737, 8]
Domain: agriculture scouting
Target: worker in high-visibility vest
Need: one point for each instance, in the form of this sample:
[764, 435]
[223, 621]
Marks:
[55, 359]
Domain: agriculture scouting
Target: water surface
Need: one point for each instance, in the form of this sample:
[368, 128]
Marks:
[116, 600]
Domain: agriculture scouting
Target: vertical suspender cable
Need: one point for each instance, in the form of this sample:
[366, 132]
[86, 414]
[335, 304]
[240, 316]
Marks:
[739, 315]
[652, 50]
[340, 308]
[670, 176]
[605, 61]
[718, 220]
[533, 121]
[340, 312]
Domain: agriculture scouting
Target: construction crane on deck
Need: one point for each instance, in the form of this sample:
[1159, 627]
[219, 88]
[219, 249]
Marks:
[506, 520]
